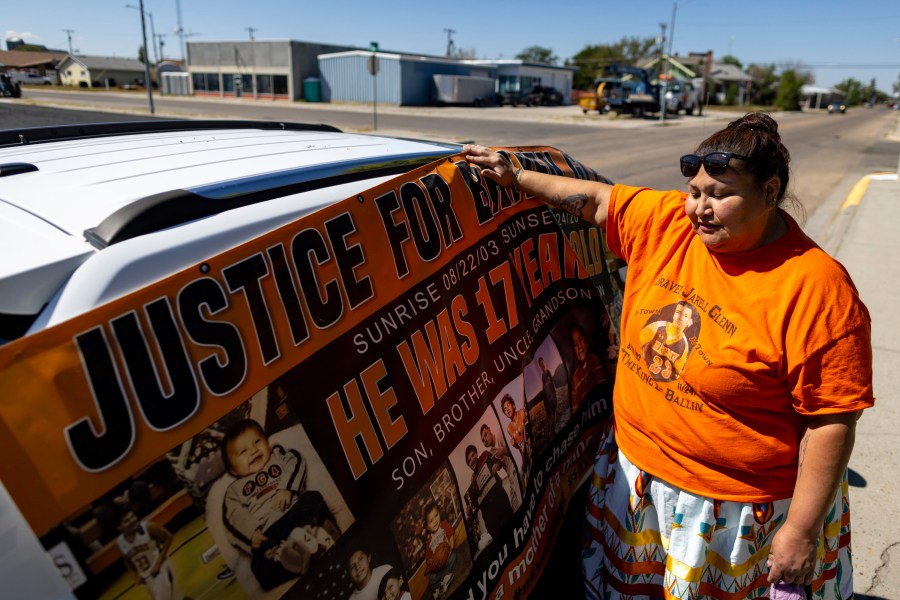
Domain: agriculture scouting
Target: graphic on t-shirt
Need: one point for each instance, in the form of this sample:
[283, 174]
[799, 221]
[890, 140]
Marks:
[668, 338]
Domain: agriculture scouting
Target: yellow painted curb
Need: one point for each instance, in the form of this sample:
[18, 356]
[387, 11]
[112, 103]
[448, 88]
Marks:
[856, 194]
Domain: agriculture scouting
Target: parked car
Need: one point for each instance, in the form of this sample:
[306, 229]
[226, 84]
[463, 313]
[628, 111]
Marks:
[26, 78]
[682, 95]
[513, 98]
[141, 207]
[837, 107]
[546, 96]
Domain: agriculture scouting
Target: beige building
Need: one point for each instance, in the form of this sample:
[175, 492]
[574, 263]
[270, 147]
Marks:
[99, 71]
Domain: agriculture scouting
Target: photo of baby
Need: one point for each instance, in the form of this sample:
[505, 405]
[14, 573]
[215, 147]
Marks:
[270, 504]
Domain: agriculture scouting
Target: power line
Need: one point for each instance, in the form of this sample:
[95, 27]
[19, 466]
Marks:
[804, 65]
[69, 33]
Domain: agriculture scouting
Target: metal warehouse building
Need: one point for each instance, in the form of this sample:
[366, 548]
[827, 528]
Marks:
[403, 79]
[406, 79]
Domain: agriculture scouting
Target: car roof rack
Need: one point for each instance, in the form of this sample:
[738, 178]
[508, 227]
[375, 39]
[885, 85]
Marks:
[37, 135]
[176, 207]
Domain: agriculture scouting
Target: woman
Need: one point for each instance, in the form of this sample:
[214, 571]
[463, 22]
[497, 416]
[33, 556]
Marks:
[726, 472]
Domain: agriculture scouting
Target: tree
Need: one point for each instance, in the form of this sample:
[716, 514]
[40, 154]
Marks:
[464, 53]
[538, 54]
[731, 60]
[852, 90]
[869, 92]
[31, 48]
[592, 61]
[789, 96]
[141, 53]
[764, 84]
[731, 94]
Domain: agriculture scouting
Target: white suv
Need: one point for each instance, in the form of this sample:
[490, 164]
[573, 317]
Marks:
[89, 213]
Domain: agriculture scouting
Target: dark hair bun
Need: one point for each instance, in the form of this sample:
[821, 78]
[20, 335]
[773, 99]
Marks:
[756, 121]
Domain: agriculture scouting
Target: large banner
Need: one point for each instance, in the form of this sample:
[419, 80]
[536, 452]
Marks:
[392, 397]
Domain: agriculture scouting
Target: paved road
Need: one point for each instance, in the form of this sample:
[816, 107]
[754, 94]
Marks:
[825, 148]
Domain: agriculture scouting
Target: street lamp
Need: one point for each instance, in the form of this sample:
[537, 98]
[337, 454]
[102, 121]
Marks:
[147, 81]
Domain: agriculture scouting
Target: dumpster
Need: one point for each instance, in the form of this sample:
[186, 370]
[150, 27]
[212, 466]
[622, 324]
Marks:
[312, 89]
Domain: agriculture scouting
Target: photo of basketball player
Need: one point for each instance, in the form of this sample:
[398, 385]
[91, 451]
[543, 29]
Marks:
[666, 340]
[145, 538]
[144, 546]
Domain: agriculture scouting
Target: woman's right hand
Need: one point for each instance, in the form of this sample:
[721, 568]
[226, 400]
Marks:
[494, 165]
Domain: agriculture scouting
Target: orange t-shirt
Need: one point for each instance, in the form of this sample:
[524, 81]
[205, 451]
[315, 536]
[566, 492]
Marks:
[725, 356]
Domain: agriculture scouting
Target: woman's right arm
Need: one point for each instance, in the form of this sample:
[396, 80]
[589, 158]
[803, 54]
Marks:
[582, 198]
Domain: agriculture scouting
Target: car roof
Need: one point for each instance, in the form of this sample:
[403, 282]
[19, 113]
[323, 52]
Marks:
[69, 194]
[77, 183]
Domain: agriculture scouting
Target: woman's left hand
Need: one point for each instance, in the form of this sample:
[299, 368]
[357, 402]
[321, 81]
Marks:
[494, 165]
[792, 558]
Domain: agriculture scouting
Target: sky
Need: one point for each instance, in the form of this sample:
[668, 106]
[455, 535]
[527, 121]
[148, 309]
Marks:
[834, 40]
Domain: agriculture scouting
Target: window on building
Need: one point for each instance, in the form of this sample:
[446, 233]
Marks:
[264, 84]
[205, 82]
[508, 83]
[280, 84]
[529, 82]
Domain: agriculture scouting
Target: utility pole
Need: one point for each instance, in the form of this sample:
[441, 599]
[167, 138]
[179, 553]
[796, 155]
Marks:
[659, 64]
[69, 33]
[251, 30]
[161, 43]
[180, 30]
[662, 44]
[147, 81]
[153, 40]
[450, 46]
[662, 113]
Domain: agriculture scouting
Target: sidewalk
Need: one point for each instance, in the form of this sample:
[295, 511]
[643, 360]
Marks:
[860, 230]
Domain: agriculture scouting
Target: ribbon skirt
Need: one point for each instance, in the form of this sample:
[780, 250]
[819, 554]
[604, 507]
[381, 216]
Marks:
[646, 538]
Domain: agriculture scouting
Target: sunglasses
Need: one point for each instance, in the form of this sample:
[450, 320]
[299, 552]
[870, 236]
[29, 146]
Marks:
[715, 163]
